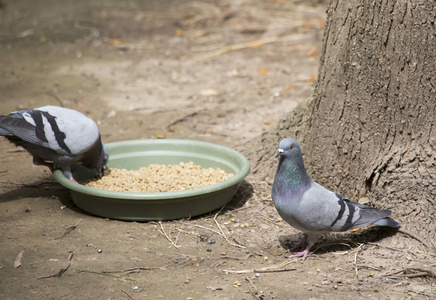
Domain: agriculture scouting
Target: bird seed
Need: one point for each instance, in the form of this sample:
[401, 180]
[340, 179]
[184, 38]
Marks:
[159, 178]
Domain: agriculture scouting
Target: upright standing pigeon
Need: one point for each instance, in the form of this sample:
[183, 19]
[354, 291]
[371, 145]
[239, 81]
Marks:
[310, 207]
[57, 137]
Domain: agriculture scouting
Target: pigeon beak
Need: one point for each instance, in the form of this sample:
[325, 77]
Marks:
[279, 152]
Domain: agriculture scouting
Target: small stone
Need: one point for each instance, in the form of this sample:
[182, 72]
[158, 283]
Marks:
[89, 245]
[209, 250]
[257, 274]
[99, 251]
[335, 286]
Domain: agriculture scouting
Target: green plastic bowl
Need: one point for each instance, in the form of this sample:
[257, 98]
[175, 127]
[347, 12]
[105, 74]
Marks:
[134, 154]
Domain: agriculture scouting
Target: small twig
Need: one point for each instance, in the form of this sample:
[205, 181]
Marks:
[177, 237]
[422, 272]
[130, 297]
[251, 44]
[427, 296]
[15, 150]
[166, 235]
[235, 258]
[55, 97]
[62, 271]
[68, 230]
[237, 47]
[269, 220]
[189, 115]
[136, 270]
[270, 269]
[254, 292]
[210, 229]
[367, 267]
[222, 232]
[275, 271]
[406, 232]
[106, 274]
[260, 270]
[357, 252]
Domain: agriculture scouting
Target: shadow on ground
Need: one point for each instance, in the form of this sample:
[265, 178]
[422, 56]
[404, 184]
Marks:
[342, 241]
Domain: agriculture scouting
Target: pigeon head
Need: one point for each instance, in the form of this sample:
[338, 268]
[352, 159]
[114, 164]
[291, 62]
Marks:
[105, 159]
[289, 148]
[102, 160]
[290, 168]
[96, 158]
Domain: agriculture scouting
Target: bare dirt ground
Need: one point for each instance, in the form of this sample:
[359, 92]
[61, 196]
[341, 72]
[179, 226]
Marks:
[218, 71]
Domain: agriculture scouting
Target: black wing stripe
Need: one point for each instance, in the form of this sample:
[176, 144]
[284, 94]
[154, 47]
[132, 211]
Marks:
[341, 212]
[39, 125]
[351, 210]
[59, 135]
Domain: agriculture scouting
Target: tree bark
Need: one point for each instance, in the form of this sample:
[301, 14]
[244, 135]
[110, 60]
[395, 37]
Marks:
[370, 127]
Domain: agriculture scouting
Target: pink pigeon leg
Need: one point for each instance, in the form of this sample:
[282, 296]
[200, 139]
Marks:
[303, 253]
[301, 244]
[311, 240]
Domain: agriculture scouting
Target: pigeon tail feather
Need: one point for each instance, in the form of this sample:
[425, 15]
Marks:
[370, 215]
[388, 222]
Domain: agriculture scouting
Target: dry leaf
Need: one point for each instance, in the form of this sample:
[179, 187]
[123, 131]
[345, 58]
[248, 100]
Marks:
[264, 71]
[115, 41]
[363, 200]
[178, 32]
[17, 262]
[289, 87]
[159, 136]
[25, 33]
[190, 16]
[312, 78]
[355, 229]
[312, 53]
[269, 123]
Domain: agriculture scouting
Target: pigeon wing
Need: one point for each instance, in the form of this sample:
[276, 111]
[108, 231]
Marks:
[15, 124]
[354, 215]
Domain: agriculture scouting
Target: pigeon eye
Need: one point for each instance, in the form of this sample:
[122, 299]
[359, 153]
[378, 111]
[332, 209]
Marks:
[291, 147]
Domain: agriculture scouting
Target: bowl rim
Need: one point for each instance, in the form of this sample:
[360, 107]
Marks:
[234, 180]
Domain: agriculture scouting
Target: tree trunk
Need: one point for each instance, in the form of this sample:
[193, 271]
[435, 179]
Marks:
[370, 127]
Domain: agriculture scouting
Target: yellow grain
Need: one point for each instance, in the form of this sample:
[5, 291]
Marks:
[159, 178]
